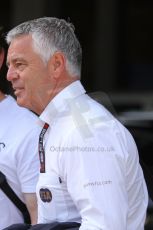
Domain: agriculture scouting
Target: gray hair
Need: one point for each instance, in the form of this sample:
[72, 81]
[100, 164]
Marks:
[50, 35]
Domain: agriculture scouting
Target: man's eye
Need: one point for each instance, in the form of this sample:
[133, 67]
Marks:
[20, 65]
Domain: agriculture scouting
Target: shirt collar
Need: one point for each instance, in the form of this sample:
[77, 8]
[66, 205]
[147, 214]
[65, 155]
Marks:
[55, 106]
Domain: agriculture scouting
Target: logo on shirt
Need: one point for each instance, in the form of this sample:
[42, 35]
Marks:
[45, 195]
[2, 146]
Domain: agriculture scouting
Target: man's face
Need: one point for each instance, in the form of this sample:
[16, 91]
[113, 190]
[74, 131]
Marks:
[28, 74]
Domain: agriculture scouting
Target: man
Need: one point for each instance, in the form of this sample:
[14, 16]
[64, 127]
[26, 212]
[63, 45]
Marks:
[19, 160]
[90, 171]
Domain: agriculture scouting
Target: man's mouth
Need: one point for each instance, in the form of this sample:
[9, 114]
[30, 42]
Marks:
[17, 90]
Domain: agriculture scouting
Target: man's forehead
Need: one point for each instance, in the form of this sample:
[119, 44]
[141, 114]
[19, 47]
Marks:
[20, 41]
[19, 44]
[15, 53]
[15, 56]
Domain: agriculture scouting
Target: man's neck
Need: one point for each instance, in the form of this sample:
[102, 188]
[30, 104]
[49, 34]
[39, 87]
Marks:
[2, 96]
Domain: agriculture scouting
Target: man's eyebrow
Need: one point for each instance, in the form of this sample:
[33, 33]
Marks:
[15, 59]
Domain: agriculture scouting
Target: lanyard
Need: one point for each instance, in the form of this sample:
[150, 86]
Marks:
[41, 148]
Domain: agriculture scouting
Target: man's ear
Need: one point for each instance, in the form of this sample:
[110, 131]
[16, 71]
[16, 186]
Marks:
[57, 64]
[1, 57]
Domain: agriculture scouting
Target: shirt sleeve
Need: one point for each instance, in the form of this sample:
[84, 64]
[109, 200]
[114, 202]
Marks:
[95, 172]
[28, 161]
[136, 187]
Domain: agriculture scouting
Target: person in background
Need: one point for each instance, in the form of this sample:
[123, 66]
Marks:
[90, 171]
[19, 159]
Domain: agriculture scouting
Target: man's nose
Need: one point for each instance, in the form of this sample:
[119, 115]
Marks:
[11, 74]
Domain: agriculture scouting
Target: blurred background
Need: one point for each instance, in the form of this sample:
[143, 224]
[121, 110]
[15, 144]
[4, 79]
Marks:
[117, 41]
[116, 36]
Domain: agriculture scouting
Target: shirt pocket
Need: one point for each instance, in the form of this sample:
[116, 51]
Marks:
[51, 198]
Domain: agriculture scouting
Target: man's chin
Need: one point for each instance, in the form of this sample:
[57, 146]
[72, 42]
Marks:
[21, 102]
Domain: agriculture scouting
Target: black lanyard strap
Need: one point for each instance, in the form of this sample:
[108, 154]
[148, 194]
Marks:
[5, 187]
[41, 148]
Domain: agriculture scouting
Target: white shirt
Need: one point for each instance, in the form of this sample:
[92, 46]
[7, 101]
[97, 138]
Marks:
[19, 159]
[93, 175]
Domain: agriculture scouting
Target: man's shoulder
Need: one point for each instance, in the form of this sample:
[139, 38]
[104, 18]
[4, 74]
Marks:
[20, 111]
[22, 120]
